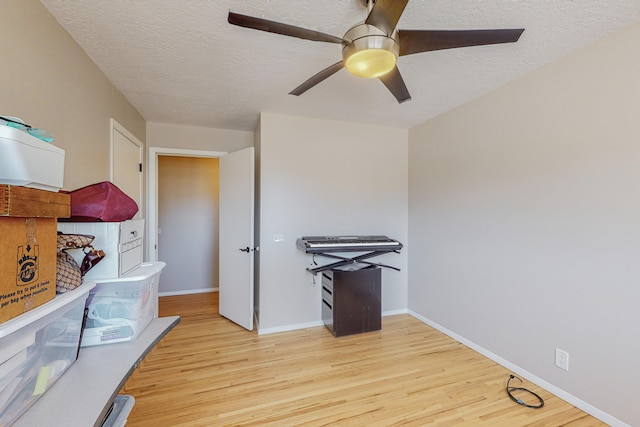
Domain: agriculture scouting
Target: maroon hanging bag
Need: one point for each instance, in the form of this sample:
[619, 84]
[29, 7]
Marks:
[101, 202]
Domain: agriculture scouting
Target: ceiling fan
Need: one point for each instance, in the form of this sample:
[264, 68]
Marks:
[371, 49]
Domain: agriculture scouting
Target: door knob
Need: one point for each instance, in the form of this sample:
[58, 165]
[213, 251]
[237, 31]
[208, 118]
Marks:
[245, 249]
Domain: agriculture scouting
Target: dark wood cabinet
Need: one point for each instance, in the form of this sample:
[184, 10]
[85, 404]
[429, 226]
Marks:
[351, 300]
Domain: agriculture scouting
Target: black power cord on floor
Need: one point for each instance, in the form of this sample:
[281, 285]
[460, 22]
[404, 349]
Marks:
[510, 389]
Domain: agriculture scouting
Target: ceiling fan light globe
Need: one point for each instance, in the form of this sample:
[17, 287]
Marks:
[370, 63]
[371, 52]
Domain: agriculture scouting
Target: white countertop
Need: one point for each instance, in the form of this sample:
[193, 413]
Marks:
[82, 396]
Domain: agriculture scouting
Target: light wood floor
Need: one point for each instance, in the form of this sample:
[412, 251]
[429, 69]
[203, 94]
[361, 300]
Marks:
[210, 372]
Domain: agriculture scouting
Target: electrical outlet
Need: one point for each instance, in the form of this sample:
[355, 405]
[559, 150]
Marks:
[562, 359]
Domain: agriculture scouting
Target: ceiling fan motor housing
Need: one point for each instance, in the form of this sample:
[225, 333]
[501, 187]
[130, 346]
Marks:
[370, 51]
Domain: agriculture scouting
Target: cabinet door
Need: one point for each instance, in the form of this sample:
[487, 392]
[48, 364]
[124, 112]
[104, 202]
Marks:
[357, 301]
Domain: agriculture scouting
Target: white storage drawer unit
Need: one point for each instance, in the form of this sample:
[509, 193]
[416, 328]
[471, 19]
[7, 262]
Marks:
[36, 348]
[122, 243]
[29, 162]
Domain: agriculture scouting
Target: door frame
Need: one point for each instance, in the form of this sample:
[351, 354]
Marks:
[151, 238]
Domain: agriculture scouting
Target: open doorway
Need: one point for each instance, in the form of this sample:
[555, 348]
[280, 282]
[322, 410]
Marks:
[236, 237]
[182, 226]
[188, 204]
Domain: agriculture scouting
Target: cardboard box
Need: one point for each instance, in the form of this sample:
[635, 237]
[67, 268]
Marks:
[28, 226]
[27, 264]
[29, 202]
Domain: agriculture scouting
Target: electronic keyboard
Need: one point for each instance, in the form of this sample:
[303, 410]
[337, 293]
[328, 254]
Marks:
[320, 244]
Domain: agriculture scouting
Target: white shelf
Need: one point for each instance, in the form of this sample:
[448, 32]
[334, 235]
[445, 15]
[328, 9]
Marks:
[83, 395]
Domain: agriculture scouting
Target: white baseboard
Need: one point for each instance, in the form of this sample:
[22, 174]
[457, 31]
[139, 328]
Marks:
[187, 292]
[295, 327]
[578, 403]
[394, 312]
[288, 328]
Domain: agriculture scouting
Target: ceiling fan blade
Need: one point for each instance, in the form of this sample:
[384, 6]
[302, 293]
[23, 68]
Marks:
[279, 28]
[416, 41]
[386, 14]
[394, 82]
[322, 75]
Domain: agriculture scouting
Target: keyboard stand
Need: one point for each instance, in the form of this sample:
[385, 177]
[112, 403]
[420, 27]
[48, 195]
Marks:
[351, 260]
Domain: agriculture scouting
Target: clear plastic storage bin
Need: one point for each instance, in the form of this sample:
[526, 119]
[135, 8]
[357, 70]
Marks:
[36, 348]
[119, 309]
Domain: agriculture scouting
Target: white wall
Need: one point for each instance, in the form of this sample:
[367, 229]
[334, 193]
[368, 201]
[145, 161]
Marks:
[321, 177]
[51, 83]
[166, 135]
[524, 212]
[188, 202]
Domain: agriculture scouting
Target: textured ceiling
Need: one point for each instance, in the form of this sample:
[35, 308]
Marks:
[181, 62]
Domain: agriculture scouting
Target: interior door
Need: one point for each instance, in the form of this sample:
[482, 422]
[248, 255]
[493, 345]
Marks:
[126, 164]
[236, 237]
